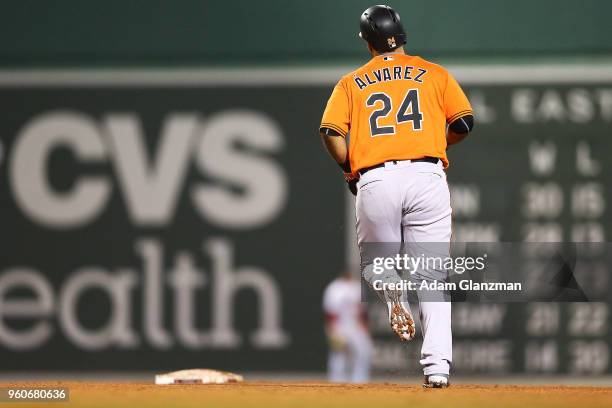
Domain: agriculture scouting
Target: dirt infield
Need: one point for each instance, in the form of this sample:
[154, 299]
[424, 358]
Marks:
[305, 394]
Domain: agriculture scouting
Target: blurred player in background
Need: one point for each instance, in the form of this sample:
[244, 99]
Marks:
[402, 112]
[350, 345]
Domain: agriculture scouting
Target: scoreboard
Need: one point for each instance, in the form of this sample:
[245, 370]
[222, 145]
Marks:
[536, 169]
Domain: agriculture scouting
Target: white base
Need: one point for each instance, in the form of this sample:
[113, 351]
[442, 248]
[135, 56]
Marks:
[197, 376]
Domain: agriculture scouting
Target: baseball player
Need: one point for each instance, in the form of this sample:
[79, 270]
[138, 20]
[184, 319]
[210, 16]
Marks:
[388, 125]
[347, 332]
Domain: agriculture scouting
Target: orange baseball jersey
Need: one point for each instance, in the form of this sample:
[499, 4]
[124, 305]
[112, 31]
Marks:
[395, 107]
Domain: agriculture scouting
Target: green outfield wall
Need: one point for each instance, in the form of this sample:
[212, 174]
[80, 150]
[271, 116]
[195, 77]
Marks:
[188, 32]
[161, 220]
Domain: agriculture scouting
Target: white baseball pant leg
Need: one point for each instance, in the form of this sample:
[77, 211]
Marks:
[351, 364]
[411, 202]
[361, 348]
[337, 366]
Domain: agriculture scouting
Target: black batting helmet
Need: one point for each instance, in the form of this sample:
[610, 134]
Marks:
[381, 27]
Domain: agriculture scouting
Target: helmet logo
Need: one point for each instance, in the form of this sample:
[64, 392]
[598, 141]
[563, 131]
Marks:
[391, 42]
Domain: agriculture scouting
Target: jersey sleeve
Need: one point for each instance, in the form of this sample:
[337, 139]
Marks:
[336, 115]
[330, 300]
[456, 104]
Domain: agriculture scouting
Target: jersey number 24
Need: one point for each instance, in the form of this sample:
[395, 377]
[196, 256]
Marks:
[408, 112]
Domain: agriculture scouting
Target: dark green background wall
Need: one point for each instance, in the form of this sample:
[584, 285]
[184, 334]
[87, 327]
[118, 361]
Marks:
[503, 187]
[192, 32]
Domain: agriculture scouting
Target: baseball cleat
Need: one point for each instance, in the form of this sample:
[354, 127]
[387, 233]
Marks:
[436, 381]
[400, 318]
